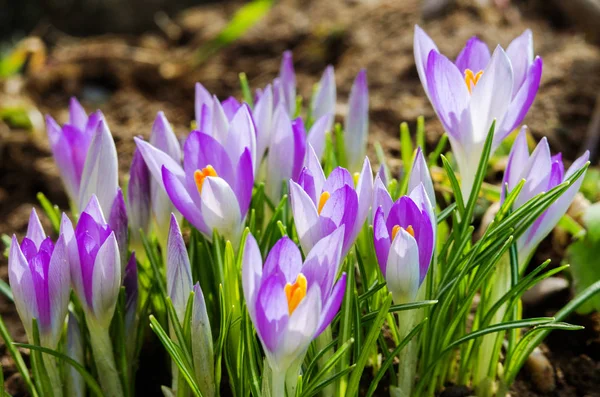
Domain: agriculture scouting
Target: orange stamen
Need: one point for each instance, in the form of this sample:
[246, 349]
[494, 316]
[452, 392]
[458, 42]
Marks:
[295, 292]
[322, 200]
[200, 176]
[471, 79]
[397, 228]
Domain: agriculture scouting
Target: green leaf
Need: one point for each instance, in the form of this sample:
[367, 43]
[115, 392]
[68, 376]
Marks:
[246, 92]
[87, 377]
[52, 211]
[18, 359]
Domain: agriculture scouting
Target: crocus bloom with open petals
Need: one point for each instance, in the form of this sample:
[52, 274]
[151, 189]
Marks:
[404, 238]
[356, 124]
[95, 262]
[70, 144]
[213, 188]
[38, 271]
[541, 172]
[290, 302]
[321, 205]
[476, 89]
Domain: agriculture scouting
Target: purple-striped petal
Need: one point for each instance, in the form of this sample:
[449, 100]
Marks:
[182, 200]
[155, 160]
[420, 174]
[299, 147]
[301, 327]
[284, 258]
[287, 78]
[63, 156]
[179, 271]
[517, 161]
[271, 311]
[244, 182]
[313, 165]
[381, 197]
[230, 107]
[163, 138]
[520, 52]
[475, 56]
[106, 281]
[340, 209]
[252, 271]
[364, 190]
[332, 305]
[381, 239]
[322, 263]
[242, 135]
[280, 163]
[35, 230]
[78, 118]
[138, 196]
[338, 178]
[22, 286]
[203, 98]
[263, 117]
[59, 288]
[118, 223]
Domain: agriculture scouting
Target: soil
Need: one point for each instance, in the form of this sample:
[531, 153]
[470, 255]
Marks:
[131, 78]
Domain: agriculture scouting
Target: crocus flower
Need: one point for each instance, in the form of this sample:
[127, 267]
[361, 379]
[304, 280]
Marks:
[70, 144]
[95, 263]
[213, 188]
[179, 272]
[404, 242]
[138, 198]
[320, 205]
[476, 89]
[213, 116]
[117, 221]
[284, 86]
[202, 344]
[38, 272]
[541, 172]
[290, 302]
[356, 124]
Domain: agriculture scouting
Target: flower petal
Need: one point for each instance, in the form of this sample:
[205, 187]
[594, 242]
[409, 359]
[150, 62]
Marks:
[332, 304]
[423, 45]
[381, 198]
[420, 174]
[313, 164]
[244, 181]
[263, 117]
[101, 171]
[302, 326]
[202, 98]
[252, 271]
[323, 100]
[179, 271]
[520, 52]
[306, 217]
[106, 281]
[280, 163]
[381, 239]
[63, 156]
[118, 223]
[22, 286]
[364, 190]
[183, 201]
[322, 263]
[356, 124]
[341, 209]
[475, 56]
[35, 230]
[287, 78]
[317, 133]
[77, 115]
[163, 138]
[59, 288]
[402, 270]
[155, 159]
[492, 94]
[220, 209]
[271, 312]
[284, 258]
[517, 161]
[338, 178]
[242, 135]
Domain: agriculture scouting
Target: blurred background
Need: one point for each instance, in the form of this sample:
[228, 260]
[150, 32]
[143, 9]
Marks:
[133, 58]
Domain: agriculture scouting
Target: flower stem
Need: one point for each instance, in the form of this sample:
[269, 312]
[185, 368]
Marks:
[51, 367]
[104, 358]
[408, 355]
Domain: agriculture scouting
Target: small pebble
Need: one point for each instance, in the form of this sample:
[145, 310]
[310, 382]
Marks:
[543, 290]
[541, 371]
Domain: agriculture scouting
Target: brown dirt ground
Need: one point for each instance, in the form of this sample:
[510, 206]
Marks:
[132, 78]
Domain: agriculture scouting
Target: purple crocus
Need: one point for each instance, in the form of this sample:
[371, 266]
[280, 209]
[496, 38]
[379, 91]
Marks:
[179, 271]
[38, 272]
[138, 198]
[213, 116]
[70, 144]
[324, 99]
[476, 89]
[404, 238]
[356, 124]
[320, 205]
[290, 302]
[213, 188]
[541, 172]
[284, 86]
[95, 263]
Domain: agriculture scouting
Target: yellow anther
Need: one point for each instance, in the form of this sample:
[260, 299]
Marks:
[295, 292]
[322, 200]
[397, 228]
[200, 176]
[356, 177]
[471, 78]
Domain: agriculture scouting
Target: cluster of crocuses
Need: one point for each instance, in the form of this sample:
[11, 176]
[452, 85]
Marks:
[261, 149]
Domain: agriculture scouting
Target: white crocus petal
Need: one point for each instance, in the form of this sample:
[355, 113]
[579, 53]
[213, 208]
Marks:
[263, 117]
[220, 123]
[35, 230]
[163, 137]
[301, 328]
[520, 52]
[23, 289]
[101, 170]
[364, 190]
[242, 135]
[306, 217]
[251, 273]
[220, 209]
[402, 271]
[422, 46]
[323, 102]
[280, 162]
[317, 134]
[106, 281]
[491, 95]
[420, 174]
